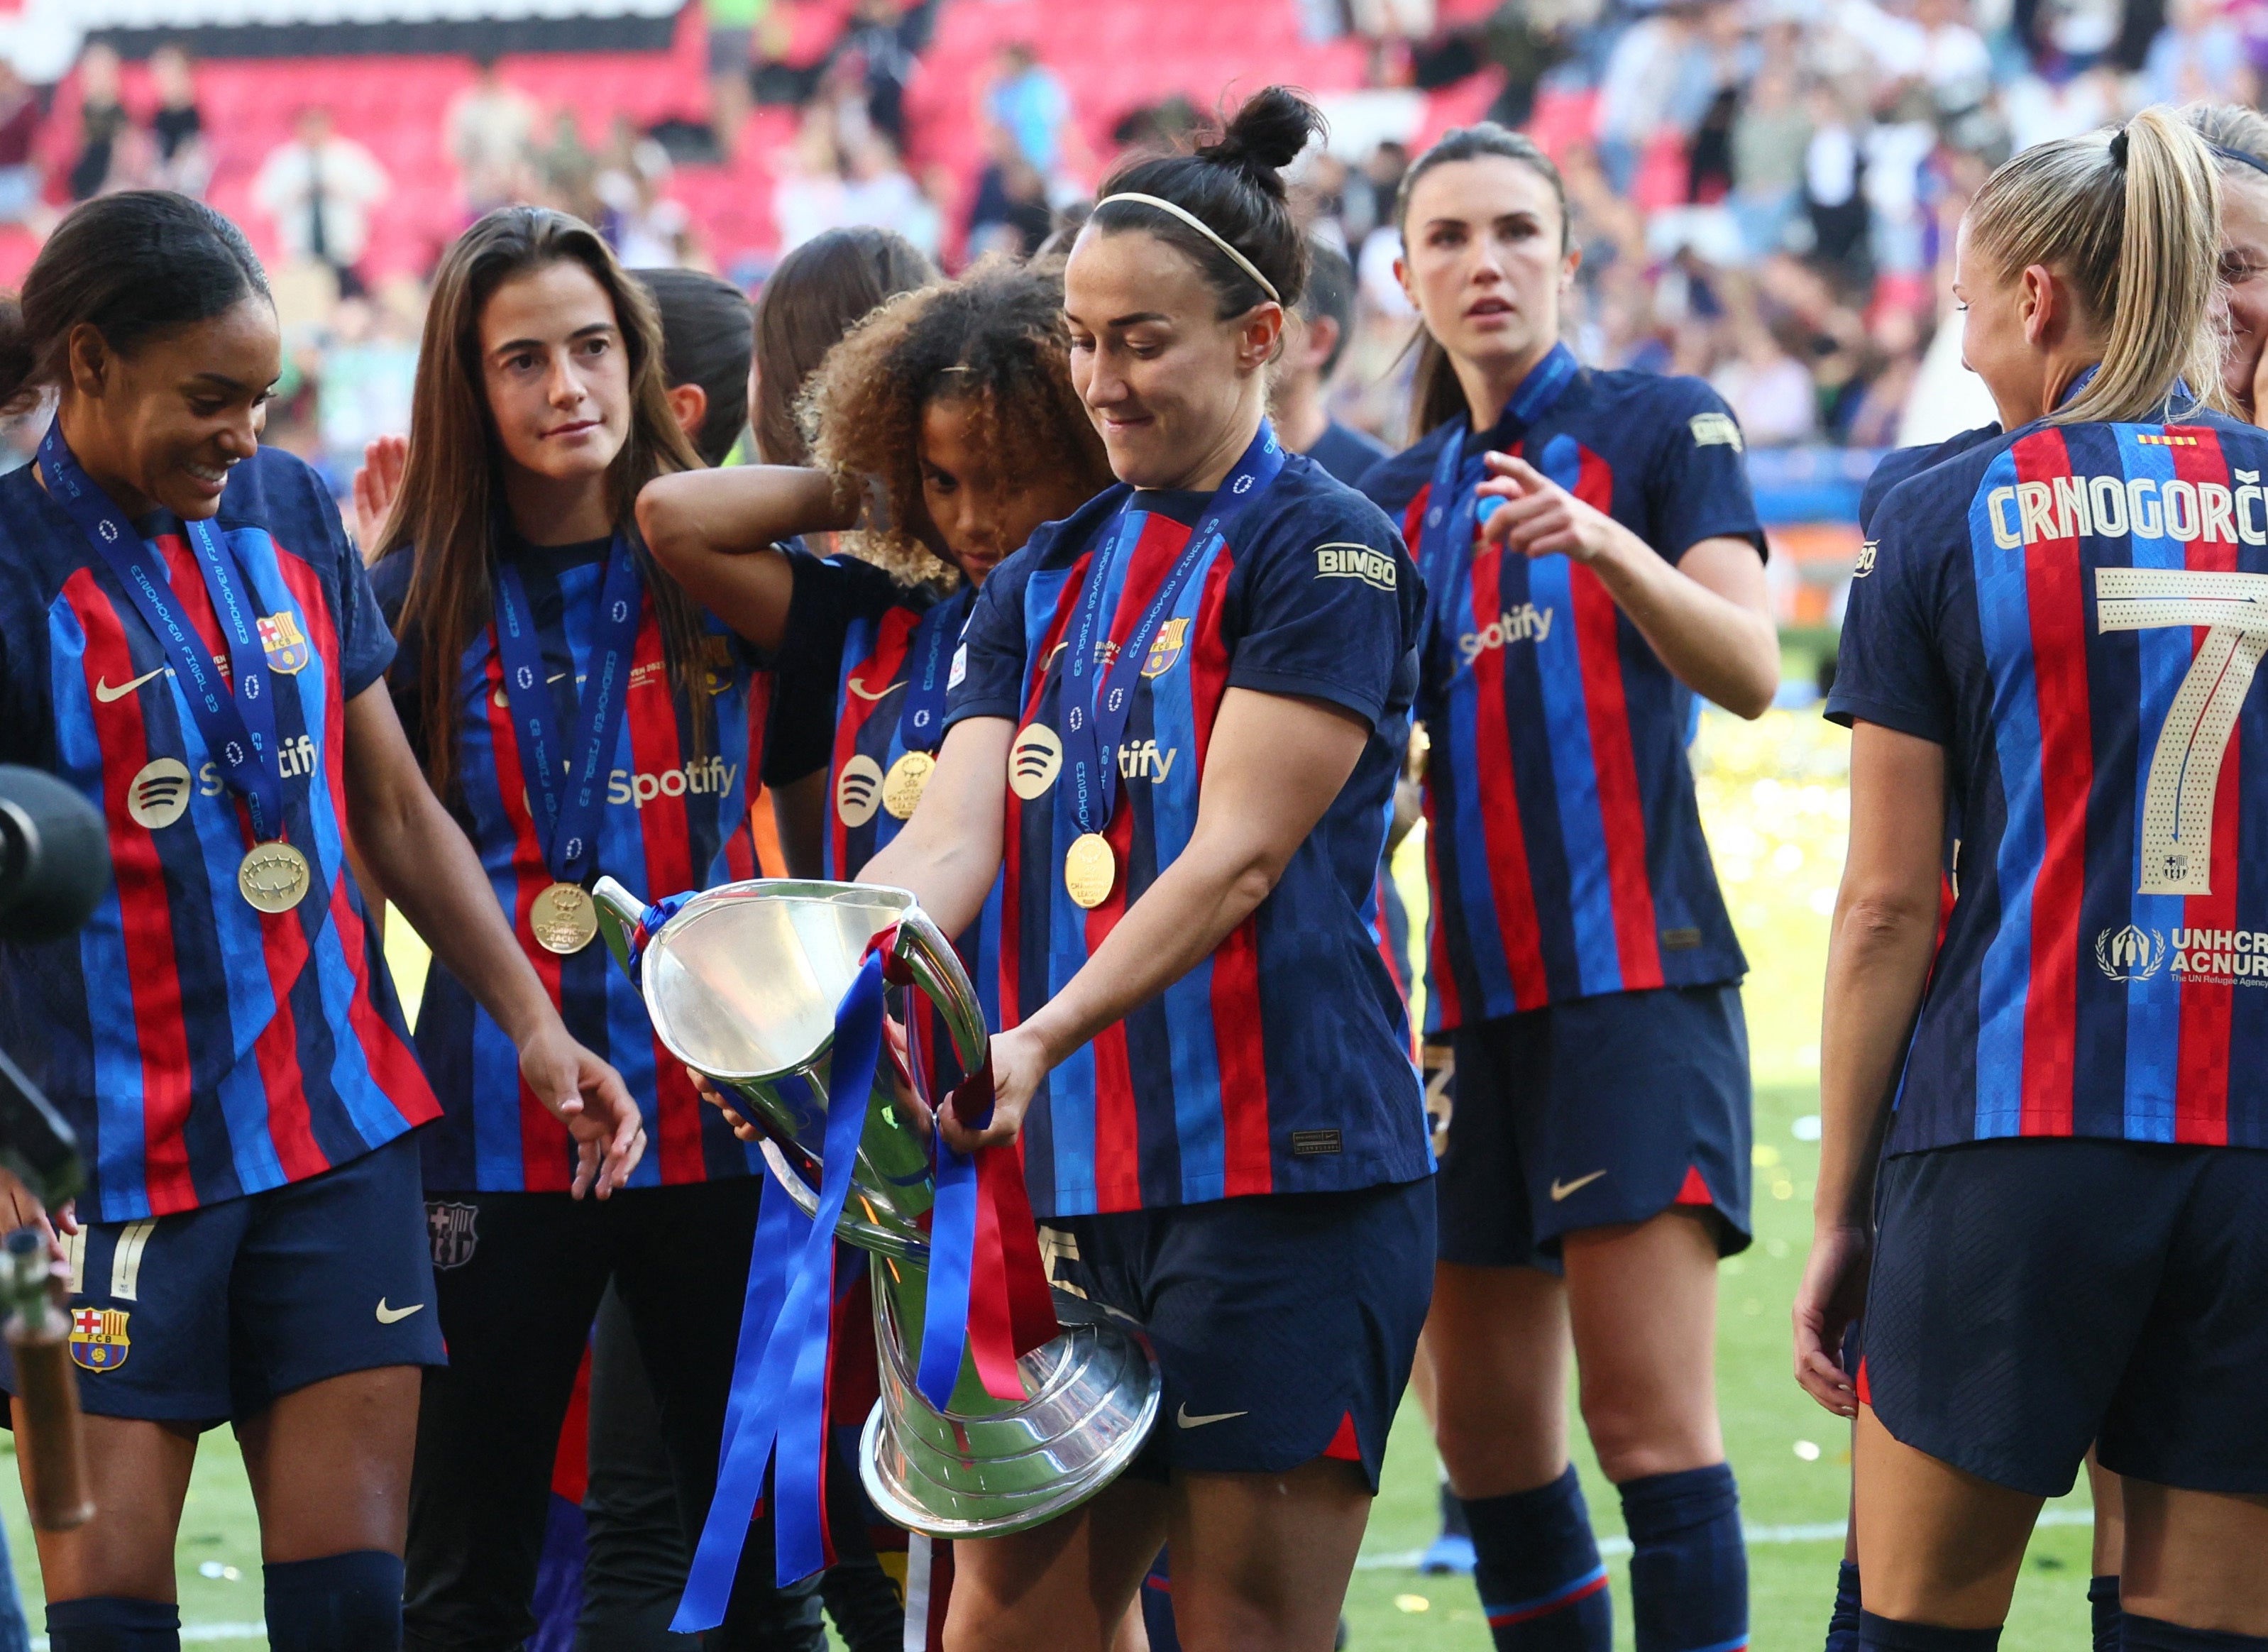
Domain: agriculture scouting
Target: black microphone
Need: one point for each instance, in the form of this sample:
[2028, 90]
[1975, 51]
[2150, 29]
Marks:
[55, 857]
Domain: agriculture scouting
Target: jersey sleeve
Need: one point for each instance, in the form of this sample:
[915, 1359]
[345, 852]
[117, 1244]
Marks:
[830, 592]
[1698, 486]
[1330, 610]
[1890, 669]
[987, 676]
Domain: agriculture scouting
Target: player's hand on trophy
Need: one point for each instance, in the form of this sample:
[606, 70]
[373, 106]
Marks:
[19, 1208]
[715, 1097]
[589, 1097]
[1019, 1062]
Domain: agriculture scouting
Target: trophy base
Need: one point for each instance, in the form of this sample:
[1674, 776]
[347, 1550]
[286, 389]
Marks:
[1095, 1397]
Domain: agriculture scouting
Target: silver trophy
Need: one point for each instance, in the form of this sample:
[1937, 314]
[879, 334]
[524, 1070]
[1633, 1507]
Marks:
[742, 984]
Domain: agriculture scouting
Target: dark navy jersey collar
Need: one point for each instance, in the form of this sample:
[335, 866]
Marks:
[1498, 437]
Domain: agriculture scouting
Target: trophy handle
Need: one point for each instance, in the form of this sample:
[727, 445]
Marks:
[921, 947]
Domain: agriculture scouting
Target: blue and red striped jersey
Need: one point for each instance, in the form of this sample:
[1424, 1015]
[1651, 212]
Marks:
[1562, 832]
[856, 637]
[201, 1049]
[2070, 611]
[675, 819]
[1282, 1062]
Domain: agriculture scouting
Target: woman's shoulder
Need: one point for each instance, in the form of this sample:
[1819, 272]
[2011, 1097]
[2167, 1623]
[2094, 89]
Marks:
[281, 494]
[389, 581]
[1394, 480]
[1311, 506]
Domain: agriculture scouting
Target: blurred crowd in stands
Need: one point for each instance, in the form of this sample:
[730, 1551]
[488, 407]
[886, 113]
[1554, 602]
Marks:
[1763, 192]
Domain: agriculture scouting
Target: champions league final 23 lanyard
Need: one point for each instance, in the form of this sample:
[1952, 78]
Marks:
[1091, 726]
[921, 719]
[1450, 508]
[568, 787]
[238, 729]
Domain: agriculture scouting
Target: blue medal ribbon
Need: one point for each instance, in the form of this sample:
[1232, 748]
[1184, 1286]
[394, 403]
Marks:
[921, 719]
[567, 787]
[1092, 727]
[778, 1408]
[239, 728]
[1451, 505]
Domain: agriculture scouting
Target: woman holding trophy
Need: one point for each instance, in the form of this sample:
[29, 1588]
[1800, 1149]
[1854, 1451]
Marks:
[1172, 728]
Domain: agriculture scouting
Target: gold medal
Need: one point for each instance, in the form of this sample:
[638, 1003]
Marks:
[903, 790]
[1090, 869]
[562, 919]
[274, 877]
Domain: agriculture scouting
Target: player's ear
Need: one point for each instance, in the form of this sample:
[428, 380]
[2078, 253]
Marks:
[92, 363]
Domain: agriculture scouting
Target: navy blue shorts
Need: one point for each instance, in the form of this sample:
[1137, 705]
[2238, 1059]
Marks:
[209, 1315]
[2031, 1296]
[1592, 1112]
[1284, 1323]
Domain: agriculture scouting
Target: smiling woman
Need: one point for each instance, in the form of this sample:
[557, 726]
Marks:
[1204, 674]
[181, 601]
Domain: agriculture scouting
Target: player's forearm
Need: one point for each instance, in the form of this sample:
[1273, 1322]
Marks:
[711, 529]
[1726, 653]
[949, 852]
[1878, 959]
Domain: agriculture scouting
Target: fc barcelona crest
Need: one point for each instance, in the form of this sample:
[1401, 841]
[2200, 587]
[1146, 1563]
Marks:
[99, 1341]
[451, 1227]
[1165, 648]
[281, 640]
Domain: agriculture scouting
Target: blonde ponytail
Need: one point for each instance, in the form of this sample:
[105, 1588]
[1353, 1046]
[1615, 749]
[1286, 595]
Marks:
[2134, 225]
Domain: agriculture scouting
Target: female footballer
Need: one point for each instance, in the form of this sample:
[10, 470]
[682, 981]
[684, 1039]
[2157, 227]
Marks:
[1173, 732]
[578, 714]
[954, 404]
[1597, 1164]
[2043, 1120]
[193, 646]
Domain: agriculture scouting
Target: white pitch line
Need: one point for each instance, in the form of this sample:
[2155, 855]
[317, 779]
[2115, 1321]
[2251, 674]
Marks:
[1821, 1531]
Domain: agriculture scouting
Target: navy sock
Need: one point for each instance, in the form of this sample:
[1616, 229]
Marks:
[341, 1603]
[2154, 1635]
[1542, 1583]
[2103, 1602]
[111, 1623]
[1689, 1570]
[1886, 1634]
[1842, 1622]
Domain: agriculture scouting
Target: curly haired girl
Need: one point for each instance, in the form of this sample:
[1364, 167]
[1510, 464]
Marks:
[944, 429]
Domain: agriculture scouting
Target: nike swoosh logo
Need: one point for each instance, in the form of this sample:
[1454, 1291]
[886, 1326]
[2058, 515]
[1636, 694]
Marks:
[388, 1315]
[1184, 1419]
[1560, 1190]
[105, 693]
[859, 689]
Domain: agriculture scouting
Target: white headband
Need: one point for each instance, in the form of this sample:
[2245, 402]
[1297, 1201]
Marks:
[1203, 229]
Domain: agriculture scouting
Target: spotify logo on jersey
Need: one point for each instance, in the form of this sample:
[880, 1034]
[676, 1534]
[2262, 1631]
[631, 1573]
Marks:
[858, 790]
[1033, 761]
[159, 794]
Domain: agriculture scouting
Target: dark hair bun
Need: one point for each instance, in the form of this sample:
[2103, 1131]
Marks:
[1266, 135]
